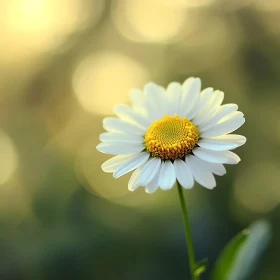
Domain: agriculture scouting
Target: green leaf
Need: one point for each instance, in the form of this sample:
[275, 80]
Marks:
[250, 253]
[227, 257]
[201, 267]
[240, 257]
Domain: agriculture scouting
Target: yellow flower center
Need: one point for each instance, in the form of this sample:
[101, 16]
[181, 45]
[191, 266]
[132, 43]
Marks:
[171, 137]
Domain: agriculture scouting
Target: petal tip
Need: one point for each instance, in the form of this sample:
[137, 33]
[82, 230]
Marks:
[211, 187]
[188, 187]
[133, 188]
[234, 161]
[148, 191]
[103, 168]
[99, 147]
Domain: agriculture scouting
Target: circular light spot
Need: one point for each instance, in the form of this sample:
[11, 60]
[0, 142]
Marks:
[103, 80]
[171, 137]
[8, 159]
[152, 21]
[32, 26]
[257, 189]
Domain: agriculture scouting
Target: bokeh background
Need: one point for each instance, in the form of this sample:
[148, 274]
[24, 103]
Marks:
[63, 66]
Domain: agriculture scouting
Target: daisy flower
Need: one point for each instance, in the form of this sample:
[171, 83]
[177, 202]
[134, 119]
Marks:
[179, 133]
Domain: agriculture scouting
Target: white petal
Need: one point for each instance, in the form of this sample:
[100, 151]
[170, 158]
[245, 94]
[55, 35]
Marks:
[153, 88]
[201, 175]
[224, 127]
[137, 98]
[136, 161]
[216, 156]
[154, 101]
[215, 168]
[174, 93]
[120, 137]
[127, 114]
[153, 185]
[218, 100]
[190, 96]
[230, 116]
[211, 156]
[173, 89]
[149, 171]
[133, 182]
[123, 111]
[222, 143]
[212, 104]
[204, 96]
[113, 163]
[167, 176]
[232, 158]
[183, 174]
[117, 125]
[224, 110]
[120, 148]
[188, 83]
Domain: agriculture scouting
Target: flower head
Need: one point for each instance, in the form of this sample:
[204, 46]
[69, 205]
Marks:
[181, 133]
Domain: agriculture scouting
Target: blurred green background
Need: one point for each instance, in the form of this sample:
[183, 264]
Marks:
[63, 66]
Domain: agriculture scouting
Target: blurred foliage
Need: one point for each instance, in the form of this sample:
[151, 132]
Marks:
[228, 256]
[250, 253]
[64, 65]
[240, 257]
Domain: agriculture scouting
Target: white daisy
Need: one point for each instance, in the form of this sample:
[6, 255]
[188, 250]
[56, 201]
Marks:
[181, 133]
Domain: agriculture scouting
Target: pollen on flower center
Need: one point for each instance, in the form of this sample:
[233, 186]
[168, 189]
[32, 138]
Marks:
[171, 137]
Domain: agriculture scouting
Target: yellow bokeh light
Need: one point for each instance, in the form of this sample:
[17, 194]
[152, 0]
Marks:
[104, 79]
[8, 159]
[268, 5]
[30, 26]
[256, 187]
[152, 21]
[195, 3]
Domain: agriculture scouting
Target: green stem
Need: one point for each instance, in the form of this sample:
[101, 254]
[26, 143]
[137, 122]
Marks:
[188, 233]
